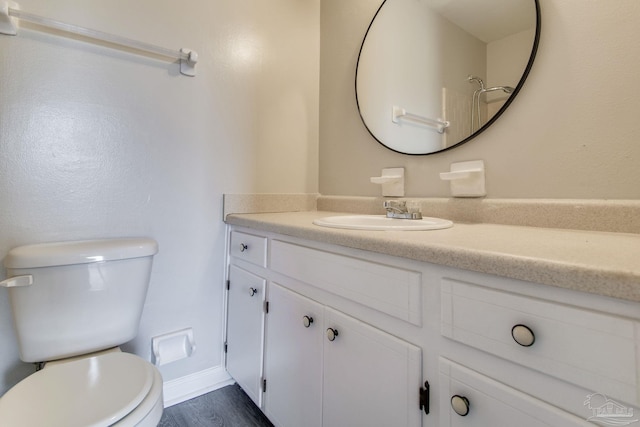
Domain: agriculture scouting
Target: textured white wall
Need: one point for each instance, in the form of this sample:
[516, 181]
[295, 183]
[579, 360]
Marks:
[96, 142]
[571, 133]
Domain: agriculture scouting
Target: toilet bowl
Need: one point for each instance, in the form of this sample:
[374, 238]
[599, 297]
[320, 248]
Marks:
[110, 388]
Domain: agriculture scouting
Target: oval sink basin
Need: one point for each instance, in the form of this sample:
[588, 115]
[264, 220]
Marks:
[381, 222]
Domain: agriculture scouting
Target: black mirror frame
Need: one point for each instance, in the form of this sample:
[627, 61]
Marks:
[525, 74]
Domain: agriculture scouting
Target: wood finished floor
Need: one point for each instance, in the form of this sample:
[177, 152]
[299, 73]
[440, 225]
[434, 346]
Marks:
[228, 406]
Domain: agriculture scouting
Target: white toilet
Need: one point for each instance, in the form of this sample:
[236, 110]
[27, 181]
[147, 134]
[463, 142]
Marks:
[73, 303]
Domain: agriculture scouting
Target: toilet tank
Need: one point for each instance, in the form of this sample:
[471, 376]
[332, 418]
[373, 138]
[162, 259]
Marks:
[85, 296]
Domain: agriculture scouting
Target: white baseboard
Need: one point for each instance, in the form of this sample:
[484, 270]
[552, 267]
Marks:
[194, 385]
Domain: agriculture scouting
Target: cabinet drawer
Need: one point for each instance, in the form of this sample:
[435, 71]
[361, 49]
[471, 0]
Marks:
[590, 349]
[389, 289]
[490, 403]
[249, 247]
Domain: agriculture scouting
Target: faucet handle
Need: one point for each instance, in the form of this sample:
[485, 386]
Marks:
[413, 206]
[394, 204]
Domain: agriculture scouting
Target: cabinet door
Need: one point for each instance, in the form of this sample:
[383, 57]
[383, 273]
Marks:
[245, 330]
[293, 359]
[370, 377]
[470, 399]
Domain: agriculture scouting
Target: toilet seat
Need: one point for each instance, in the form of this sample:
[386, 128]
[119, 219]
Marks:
[93, 391]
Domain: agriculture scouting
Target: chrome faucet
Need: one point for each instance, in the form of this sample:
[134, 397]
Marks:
[398, 209]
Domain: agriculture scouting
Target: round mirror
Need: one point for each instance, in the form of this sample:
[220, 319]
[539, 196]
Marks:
[433, 74]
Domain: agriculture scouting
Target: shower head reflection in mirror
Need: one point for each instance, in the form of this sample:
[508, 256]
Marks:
[476, 116]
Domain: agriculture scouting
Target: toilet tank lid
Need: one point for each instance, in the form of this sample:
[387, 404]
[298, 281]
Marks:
[79, 252]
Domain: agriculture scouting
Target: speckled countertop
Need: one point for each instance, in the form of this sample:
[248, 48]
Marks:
[603, 263]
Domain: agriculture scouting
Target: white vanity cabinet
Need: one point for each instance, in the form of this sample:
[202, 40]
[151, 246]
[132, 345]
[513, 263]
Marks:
[311, 364]
[351, 337]
[368, 376]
